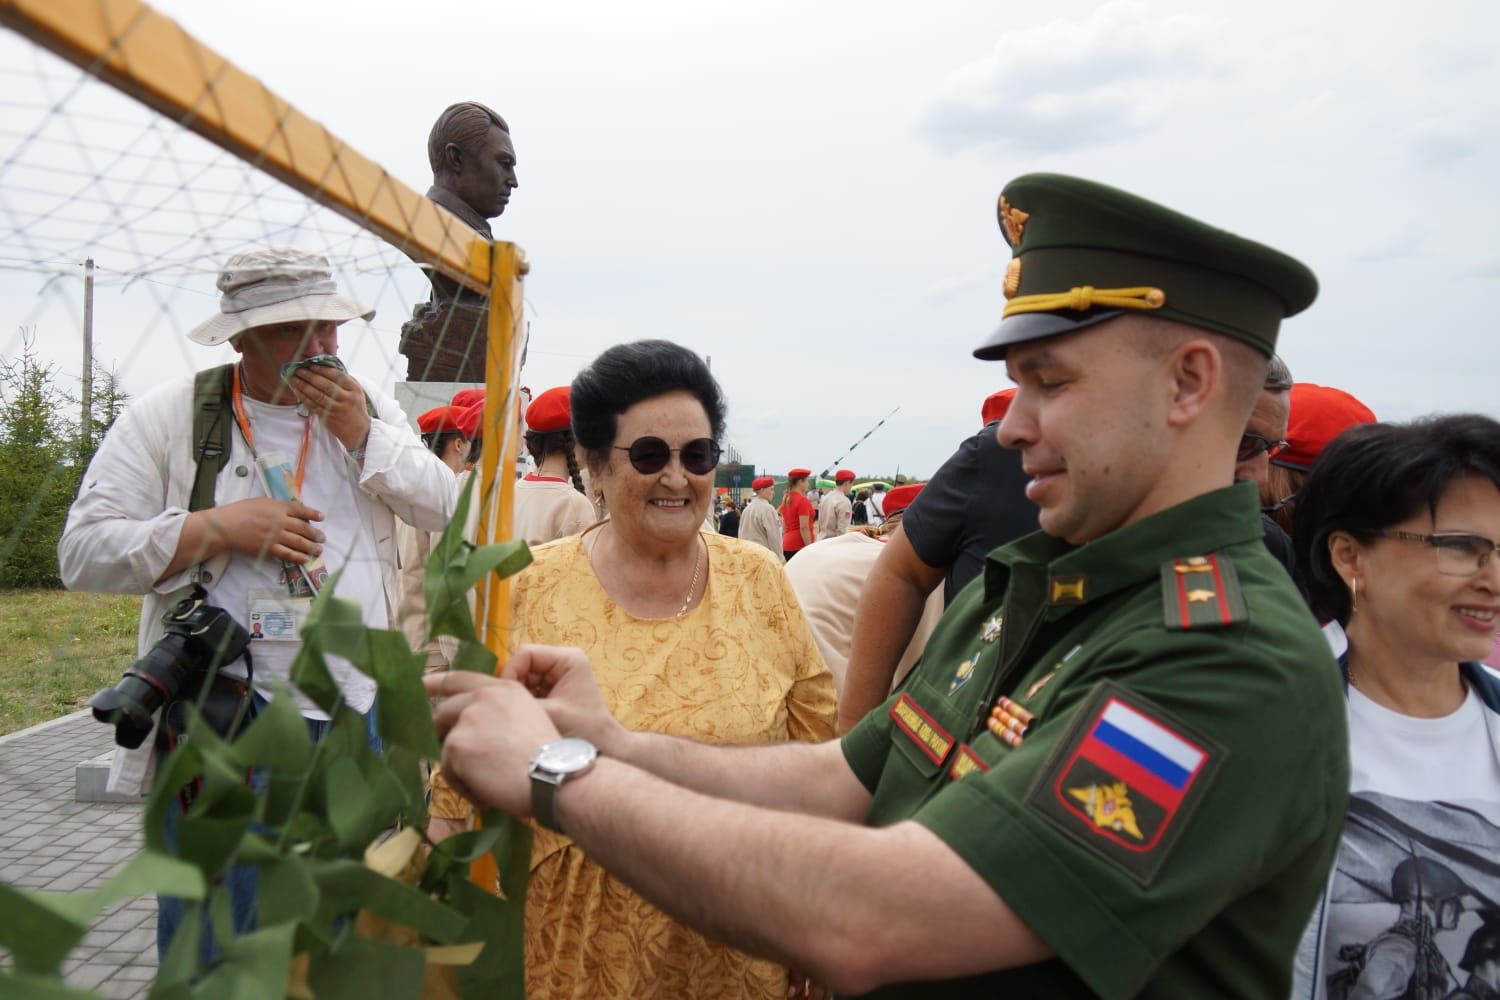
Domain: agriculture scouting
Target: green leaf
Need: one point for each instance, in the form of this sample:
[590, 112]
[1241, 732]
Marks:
[512, 853]
[309, 672]
[253, 966]
[209, 842]
[456, 565]
[404, 714]
[500, 969]
[286, 892]
[179, 767]
[38, 932]
[347, 885]
[40, 928]
[180, 964]
[360, 969]
[474, 655]
[345, 791]
[405, 766]
[277, 739]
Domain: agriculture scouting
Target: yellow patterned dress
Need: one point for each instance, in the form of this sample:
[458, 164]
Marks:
[740, 668]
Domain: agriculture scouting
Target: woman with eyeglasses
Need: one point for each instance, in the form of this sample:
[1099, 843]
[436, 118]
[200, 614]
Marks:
[690, 632]
[1396, 529]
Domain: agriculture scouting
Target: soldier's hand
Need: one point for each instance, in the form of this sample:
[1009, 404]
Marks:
[281, 529]
[563, 679]
[337, 399]
[490, 729]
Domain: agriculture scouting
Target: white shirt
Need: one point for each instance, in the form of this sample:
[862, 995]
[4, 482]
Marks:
[123, 528]
[1420, 788]
[829, 577]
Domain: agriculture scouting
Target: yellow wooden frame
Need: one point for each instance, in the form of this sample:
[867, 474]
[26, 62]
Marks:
[150, 57]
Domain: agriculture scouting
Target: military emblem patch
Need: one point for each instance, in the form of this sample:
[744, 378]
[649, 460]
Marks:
[991, 629]
[1124, 780]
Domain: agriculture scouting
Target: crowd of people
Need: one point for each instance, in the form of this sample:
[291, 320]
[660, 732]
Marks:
[1170, 682]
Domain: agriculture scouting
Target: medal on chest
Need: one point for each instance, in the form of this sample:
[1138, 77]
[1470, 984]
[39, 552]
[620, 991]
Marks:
[988, 633]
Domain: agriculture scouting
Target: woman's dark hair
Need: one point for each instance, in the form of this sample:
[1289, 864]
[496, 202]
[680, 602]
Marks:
[437, 442]
[1375, 475]
[627, 374]
[540, 445]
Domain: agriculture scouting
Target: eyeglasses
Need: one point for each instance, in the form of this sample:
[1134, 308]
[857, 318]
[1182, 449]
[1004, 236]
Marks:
[1457, 554]
[649, 455]
[1253, 444]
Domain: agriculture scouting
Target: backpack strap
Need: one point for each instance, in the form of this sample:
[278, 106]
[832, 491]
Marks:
[212, 429]
[211, 432]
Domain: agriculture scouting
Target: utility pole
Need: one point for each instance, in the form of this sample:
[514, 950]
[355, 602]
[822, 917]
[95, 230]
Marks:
[88, 351]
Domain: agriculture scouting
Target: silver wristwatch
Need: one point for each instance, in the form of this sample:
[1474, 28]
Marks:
[553, 764]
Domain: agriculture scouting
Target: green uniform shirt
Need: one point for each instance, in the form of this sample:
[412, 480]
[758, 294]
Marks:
[1171, 812]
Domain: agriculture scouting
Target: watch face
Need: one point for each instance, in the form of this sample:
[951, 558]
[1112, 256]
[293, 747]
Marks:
[566, 756]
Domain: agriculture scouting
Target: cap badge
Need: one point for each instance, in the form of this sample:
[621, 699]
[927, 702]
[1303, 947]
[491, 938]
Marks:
[1013, 221]
[1012, 277]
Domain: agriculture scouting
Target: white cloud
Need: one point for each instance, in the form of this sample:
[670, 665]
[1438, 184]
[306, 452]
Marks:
[1073, 83]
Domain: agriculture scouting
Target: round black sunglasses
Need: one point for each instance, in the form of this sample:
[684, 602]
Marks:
[649, 455]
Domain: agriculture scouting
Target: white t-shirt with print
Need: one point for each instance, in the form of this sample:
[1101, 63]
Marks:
[1424, 797]
[349, 544]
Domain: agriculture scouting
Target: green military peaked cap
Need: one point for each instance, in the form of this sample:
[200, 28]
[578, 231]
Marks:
[1085, 253]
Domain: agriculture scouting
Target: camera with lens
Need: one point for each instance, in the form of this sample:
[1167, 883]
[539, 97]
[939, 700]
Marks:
[199, 639]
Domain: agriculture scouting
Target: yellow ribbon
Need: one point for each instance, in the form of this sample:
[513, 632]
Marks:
[1088, 297]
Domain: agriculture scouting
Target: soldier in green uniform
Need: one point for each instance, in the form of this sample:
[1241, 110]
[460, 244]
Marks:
[1120, 767]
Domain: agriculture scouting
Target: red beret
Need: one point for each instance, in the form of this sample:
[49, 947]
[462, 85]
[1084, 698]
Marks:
[843, 476]
[761, 482]
[1319, 413]
[996, 405]
[798, 473]
[551, 411]
[901, 497]
[467, 397]
[446, 418]
[469, 418]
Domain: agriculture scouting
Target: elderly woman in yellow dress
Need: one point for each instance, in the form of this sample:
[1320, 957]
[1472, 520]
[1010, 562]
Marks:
[691, 632]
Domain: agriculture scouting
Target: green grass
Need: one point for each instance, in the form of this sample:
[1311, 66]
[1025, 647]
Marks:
[57, 648]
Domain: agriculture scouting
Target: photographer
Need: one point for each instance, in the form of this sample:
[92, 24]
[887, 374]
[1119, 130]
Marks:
[156, 513]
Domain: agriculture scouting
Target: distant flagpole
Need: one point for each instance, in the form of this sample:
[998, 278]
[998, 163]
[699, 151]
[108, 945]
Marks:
[850, 450]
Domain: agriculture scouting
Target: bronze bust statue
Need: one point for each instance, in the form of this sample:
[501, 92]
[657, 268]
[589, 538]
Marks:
[473, 174]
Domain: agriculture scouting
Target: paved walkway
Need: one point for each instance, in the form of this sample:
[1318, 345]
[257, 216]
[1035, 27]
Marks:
[50, 841]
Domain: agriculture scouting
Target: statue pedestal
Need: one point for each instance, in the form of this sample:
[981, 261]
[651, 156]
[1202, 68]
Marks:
[446, 337]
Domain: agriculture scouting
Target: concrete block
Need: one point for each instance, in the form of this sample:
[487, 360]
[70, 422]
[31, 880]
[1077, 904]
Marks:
[92, 776]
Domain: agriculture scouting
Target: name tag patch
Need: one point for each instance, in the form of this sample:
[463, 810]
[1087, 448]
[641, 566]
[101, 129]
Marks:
[931, 738]
[1124, 780]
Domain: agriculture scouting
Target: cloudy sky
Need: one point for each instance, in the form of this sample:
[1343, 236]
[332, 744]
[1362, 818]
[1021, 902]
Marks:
[805, 192]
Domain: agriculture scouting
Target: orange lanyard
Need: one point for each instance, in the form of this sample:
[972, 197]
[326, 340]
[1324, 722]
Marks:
[237, 399]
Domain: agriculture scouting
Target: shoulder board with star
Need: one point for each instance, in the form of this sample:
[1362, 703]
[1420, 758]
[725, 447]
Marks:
[1200, 592]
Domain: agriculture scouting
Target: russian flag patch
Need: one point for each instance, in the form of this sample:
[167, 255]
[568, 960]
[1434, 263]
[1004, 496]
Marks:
[1124, 779]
